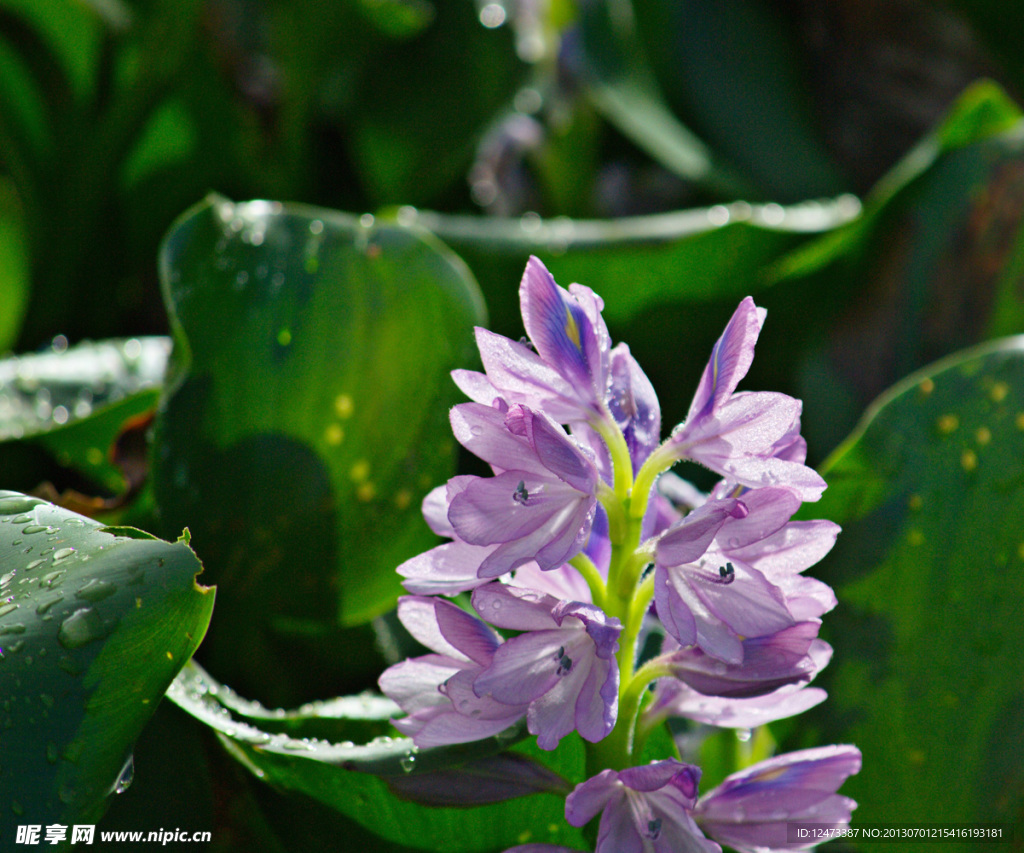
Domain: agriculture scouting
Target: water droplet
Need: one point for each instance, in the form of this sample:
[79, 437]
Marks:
[34, 528]
[81, 627]
[719, 215]
[47, 603]
[12, 504]
[7, 608]
[126, 777]
[13, 628]
[408, 762]
[492, 15]
[62, 553]
[743, 735]
[96, 590]
[21, 519]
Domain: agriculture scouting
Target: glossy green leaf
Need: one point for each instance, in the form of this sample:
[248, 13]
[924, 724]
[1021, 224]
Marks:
[309, 414]
[74, 402]
[928, 572]
[639, 263]
[94, 626]
[359, 780]
[931, 267]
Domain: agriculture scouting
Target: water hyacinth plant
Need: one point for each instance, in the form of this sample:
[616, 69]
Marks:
[584, 551]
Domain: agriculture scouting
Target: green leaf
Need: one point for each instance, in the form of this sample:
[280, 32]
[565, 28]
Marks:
[622, 86]
[75, 402]
[15, 264]
[928, 571]
[931, 267]
[695, 255]
[308, 417]
[93, 629]
[735, 73]
[357, 780]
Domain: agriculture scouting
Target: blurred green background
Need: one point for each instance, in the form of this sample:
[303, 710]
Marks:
[856, 165]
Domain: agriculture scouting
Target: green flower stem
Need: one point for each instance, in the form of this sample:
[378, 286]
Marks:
[618, 525]
[585, 566]
[658, 462]
[622, 462]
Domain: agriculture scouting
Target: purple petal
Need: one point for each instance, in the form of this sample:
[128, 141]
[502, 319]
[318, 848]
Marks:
[419, 616]
[676, 699]
[445, 570]
[597, 702]
[466, 633]
[750, 605]
[563, 583]
[476, 386]
[673, 611]
[730, 360]
[435, 511]
[452, 727]
[464, 699]
[602, 629]
[556, 452]
[768, 663]
[523, 669]
[515, 608]
[492, 510]
[567, 331]
[482, 431]
[806, 598]
[520, 375]
[412, 684]
[686, 541]
[768, 510]
[589, 798]
[797, 546]
[540, 848]
[658, 774]
[783, 788]
[634, 405]
[618, 832]
[493, 779]
[553, 714]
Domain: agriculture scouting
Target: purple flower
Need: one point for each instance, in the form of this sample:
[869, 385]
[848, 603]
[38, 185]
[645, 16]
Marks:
[450, 568]
[709, 598]
[566, 374]
[749, 438]
[634, 405]
[562, 666]
[436, 690]
[643, 809]
[539, 507]
[750, 809]
[792, 655]
[675, 699]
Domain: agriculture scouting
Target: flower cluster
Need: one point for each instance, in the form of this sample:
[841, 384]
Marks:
[582, 548]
